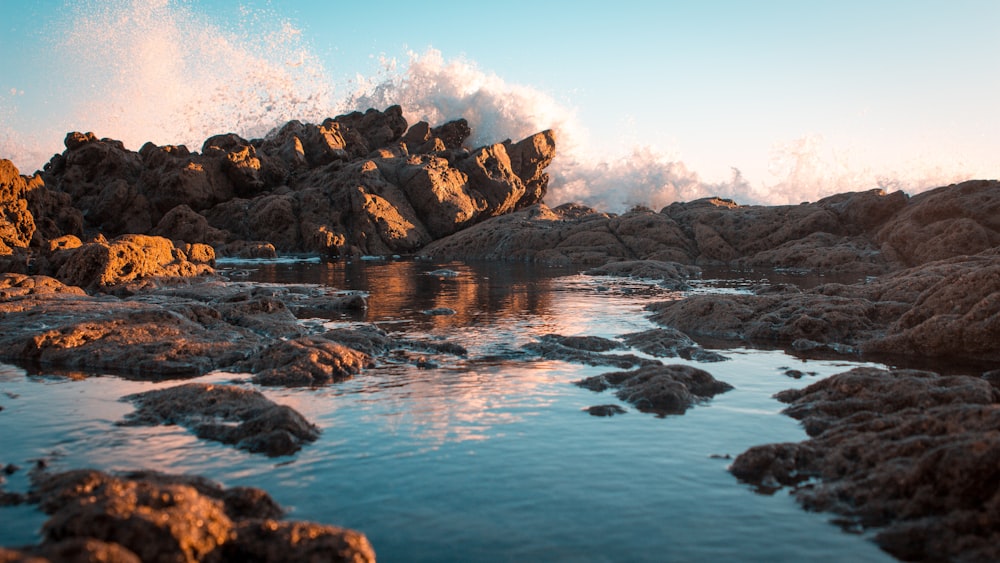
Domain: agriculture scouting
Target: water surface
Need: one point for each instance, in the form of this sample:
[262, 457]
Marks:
[485, 458]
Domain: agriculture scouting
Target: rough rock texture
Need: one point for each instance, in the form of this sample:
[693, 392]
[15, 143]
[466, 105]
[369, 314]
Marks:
[857, 233]
[659, 389]
[231, 415]
[949, 308]
[153, 517]
[914, 454]
[351, 185]
[166, 330]
[99, 265]
[306, 362]
[17, 225]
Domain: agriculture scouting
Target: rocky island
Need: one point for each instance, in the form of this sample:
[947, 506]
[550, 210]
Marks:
[107, 265]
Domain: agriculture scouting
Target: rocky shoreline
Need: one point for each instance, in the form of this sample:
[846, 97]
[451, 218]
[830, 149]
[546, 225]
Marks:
[107, 263]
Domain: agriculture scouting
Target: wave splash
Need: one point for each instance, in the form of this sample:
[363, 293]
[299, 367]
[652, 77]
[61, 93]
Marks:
[159, 71]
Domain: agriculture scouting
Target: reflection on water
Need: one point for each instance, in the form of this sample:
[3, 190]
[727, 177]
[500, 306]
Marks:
[487, 457]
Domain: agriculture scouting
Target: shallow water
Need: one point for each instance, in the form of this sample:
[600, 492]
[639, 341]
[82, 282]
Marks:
[487, 457]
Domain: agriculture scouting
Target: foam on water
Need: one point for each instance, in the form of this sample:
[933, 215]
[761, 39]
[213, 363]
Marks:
[161, 71]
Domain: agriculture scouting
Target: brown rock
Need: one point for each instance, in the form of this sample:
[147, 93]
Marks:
[226, 414]
[17, 225]
[151, 516]
[585, 350]
[658, 388]
[528, 159]
[950, 221]
[100, 265]
[912, 453]
[306, 362]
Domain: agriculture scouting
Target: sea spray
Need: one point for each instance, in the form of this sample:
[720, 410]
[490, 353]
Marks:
[161, 71]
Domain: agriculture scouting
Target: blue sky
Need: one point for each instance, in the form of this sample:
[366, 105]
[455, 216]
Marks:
[715, 85]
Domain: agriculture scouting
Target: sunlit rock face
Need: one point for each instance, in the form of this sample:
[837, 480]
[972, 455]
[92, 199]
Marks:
[355, 184]
[147, 516]
[17, 225]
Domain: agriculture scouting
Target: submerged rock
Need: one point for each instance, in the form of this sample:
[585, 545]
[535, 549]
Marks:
[231, 415]
[670, 275]
[659, 389]
[912, 454]
[585, 350]
[605, 410]
[144, 516]
[670, 343]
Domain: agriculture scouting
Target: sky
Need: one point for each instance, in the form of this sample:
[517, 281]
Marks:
[764, 102]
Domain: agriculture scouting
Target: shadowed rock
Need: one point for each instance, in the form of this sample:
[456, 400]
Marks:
[583, 349]
[670, 343]
[911, 453]
[605, 410]
[231, 415]
[659, 389]
[671, 275]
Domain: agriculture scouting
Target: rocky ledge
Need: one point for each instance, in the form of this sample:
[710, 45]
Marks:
[912, 454]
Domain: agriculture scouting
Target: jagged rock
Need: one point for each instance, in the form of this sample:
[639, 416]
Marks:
[268, 540]
[231, 415]
[19, 285]
[17, 225]
[658, 388]
[910, 453]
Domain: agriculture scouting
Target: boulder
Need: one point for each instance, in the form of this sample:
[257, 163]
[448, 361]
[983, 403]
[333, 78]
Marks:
[659, 389]
[100, 265]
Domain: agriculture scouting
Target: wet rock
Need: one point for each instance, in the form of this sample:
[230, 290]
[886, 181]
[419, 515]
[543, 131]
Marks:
[670, 274]
[306, 362]
[231, 415]
[659, 389]
[149, 516]
[20, 285]
[605, 410]
[269, 540]
[670, 343]
[939, 309]
[583, 349]
[910, 453]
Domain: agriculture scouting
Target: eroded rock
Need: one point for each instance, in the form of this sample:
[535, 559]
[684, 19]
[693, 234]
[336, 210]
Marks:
[913, 454]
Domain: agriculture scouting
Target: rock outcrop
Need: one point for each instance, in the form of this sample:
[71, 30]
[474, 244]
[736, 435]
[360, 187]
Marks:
[944, 309]
[354, 184]
[912, 454]
[145, 516]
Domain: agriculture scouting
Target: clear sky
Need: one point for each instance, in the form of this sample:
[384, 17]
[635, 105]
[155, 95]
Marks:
[847, 93]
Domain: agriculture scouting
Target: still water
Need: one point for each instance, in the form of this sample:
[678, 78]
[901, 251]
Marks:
[484, 458]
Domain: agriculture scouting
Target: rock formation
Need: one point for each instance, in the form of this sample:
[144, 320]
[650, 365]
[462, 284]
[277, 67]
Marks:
[912, 454]
[145, 516]
[355, 184]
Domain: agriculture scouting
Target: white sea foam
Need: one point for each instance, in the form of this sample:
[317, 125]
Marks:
[160, 71]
